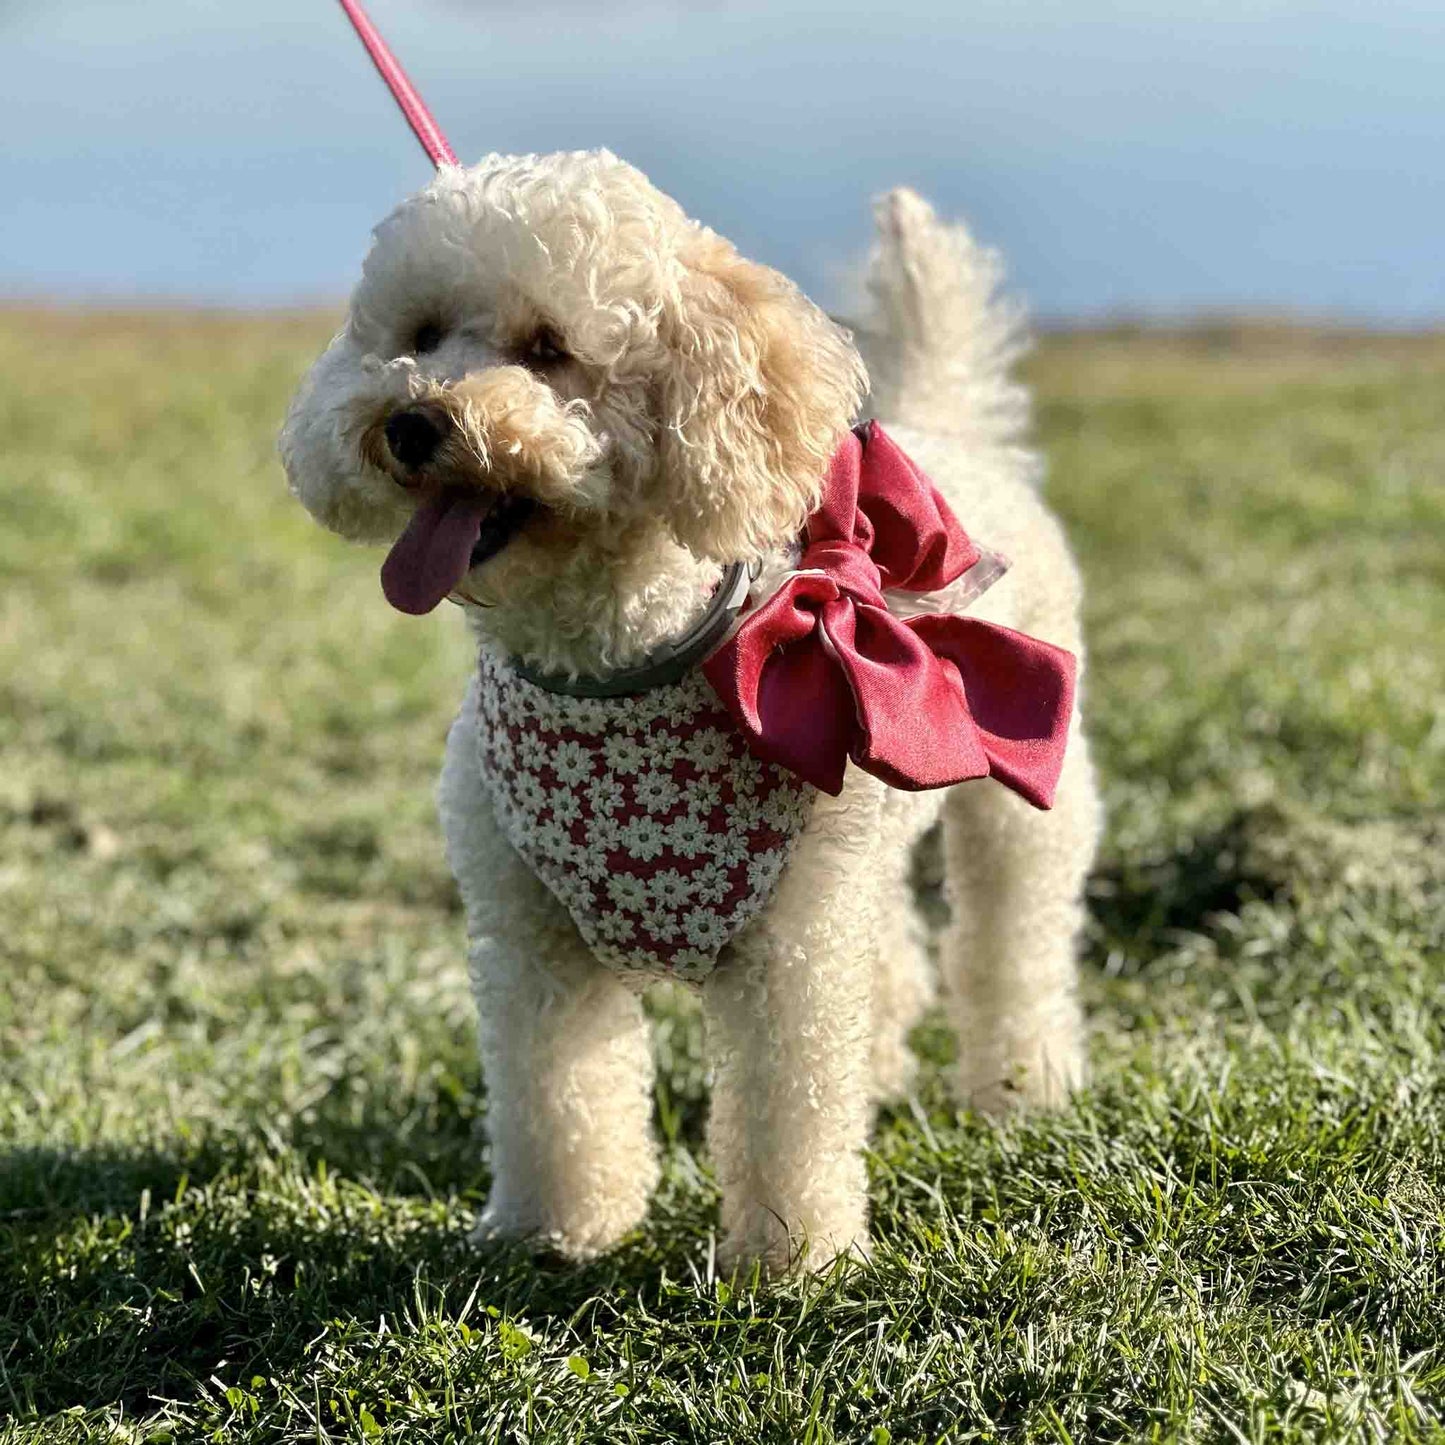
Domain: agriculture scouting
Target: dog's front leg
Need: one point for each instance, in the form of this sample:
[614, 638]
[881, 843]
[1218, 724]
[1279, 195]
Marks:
[789, 1036]
[568, 1073]
[566, 1058]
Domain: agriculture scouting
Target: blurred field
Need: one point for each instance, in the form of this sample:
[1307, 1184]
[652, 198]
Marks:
[238, 1095]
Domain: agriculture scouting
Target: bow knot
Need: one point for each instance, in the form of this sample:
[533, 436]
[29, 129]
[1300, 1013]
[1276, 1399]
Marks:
[851, 568]
[823, 672]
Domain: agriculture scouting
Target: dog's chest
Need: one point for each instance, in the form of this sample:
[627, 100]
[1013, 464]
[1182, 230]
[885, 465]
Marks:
[646, 816]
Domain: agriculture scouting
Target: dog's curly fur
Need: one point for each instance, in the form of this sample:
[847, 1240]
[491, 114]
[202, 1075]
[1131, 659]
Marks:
[673, 407]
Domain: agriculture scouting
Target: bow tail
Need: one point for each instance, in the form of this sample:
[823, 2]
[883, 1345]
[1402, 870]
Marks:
[1020, 697]
[912, 725]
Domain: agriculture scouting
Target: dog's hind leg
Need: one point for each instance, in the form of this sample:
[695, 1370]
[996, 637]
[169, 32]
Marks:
[1016, 877]
[566, 1058]
[788, 1036]
[903, 977]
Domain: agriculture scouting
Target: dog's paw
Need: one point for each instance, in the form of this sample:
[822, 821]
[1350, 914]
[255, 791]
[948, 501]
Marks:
[497, 1224]
[1043, 1079]
[744, 1262]
[766, 1248]
[579, 1239]
[1022, 1061]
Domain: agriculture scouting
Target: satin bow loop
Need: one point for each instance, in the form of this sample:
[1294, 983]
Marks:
[822, 672]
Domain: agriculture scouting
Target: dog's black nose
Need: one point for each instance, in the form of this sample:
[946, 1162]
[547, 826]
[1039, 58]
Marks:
[413, 437]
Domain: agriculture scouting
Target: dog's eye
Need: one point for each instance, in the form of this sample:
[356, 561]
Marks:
[428, 337]
[545, 347]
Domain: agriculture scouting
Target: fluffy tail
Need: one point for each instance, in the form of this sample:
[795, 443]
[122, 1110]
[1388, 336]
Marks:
[938, 339]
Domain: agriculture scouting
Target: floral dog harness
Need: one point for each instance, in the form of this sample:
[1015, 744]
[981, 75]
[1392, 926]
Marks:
[646, 816]
[662, 818]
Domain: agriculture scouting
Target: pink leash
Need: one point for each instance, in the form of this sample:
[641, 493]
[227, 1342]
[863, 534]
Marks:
[413, 107]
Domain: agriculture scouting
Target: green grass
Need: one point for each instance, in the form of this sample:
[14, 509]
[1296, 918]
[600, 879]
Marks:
[239, 1102]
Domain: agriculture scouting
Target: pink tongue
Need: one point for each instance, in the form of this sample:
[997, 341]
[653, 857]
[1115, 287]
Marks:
[433, 554]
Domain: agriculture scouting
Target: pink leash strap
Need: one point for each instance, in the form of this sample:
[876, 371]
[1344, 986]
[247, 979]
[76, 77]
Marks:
[413, 107]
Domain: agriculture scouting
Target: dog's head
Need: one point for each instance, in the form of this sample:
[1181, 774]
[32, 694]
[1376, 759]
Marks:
[545, 349]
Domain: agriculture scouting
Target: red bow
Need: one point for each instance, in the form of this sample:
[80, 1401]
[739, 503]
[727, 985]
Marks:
[822, 672]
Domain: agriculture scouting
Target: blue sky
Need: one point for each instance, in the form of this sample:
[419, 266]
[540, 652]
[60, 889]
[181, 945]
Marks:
[1144, 156]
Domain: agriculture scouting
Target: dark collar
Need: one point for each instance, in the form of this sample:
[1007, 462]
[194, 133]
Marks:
[663, 664]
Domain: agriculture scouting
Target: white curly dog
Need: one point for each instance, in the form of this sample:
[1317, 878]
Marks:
[634, 406]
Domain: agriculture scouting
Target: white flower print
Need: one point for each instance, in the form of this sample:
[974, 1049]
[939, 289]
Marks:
[746, 811]
[572, 762]
[590, 862]
[609, 954]
[703, 795]
[587, 715]
[763, 871]
[627, 890]
[519, 825]
[707, 750]
[606, 795]
[747, 772]
[555, 713]
[553, 842]
[680, 706]
[532, 752]
[531, 796]
[540, 707]
[624, 754]
[711, 883]
[692, 965]
[627, 714]
[504, 754]
[705, 930]
[566, 806]
[663, 748]
[784, 808]
[526, 701]
[687, 836]
[644, 838]
[572, 892]
[616, 927]
[670, 888]
[656, 791]
[661, 923]
[731, 847]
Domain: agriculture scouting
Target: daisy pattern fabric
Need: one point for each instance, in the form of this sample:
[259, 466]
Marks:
[646, 816]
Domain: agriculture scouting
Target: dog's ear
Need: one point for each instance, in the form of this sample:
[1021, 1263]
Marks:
[758, 390]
